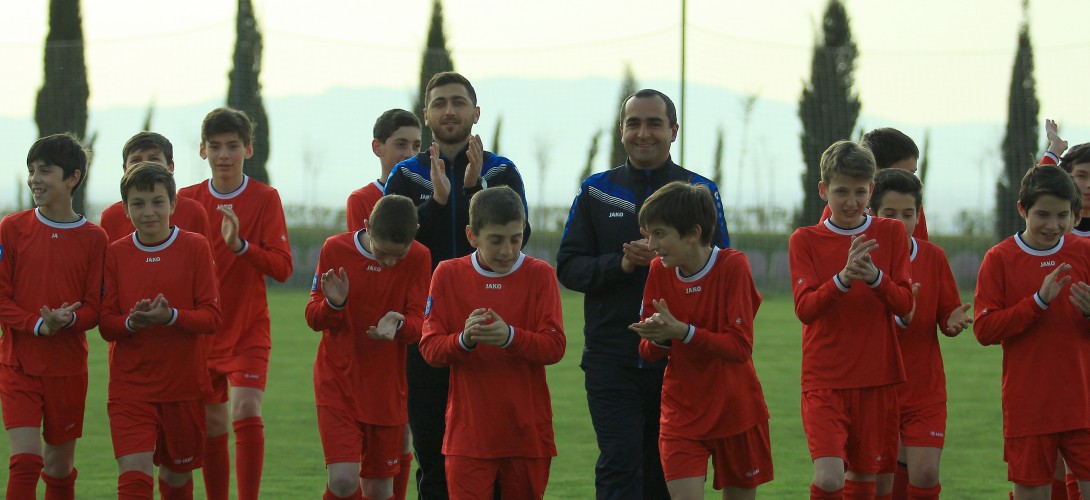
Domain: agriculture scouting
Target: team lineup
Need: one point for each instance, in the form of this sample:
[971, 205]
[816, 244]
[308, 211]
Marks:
[436, 328]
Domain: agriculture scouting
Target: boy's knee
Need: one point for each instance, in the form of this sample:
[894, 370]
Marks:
[925, 475]
[343, 484]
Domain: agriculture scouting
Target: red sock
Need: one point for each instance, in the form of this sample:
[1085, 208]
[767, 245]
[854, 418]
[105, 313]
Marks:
[168, 492]
[1073, 492]
[217, 468]
[401, 480]
[135, 485]
[249, 456]
[918, 493]
[60, 489]
[357, 495]
[859, 490]
[820, 494]
[23, 472]
[900, 482]
[1059, 489]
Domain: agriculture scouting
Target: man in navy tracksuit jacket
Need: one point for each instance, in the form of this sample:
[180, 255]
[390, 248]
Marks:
[603, 255]
[442, 194]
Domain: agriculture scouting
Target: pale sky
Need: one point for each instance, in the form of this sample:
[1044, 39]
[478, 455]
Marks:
[922, 63]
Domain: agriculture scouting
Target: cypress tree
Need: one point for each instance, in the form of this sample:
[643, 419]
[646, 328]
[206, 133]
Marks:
[244, 89]
[1020, 141]
[436, 59]
[617, 154]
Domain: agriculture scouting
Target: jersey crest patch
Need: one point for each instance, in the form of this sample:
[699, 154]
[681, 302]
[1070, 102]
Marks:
[1, 252]
[314, 283]
[427, 308]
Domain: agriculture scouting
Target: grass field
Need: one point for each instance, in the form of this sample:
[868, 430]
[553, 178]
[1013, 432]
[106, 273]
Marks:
[972, 463]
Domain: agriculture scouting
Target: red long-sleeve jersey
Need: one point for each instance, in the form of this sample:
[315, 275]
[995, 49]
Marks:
[920, 233]
[499, 402]
[188, 215]
[719, 303]
[848, 336]
[353, 372]
[937, 298]
[165, 362]
[360, 204]
[48, 263]
[266, 251]
[1046, 348]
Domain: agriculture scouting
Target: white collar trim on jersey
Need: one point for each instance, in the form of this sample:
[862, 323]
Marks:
[156, 248]
[59, 225]
[848, 232]
[358, 238]
[492, 274]
[1083, 234]
[1039, 253]
[915, 249]
[703, 271]
[379, 185]
[232, 194]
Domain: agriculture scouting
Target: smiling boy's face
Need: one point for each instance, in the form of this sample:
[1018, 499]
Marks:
[498, 246]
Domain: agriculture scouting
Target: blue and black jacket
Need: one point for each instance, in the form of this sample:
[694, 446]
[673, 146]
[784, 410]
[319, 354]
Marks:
[442, 227]
[603, 217]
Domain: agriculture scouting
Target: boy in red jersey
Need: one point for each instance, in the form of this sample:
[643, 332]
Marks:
[1077, 163]
[922, 398]
[698, 310]
[153, 147]
[849, 278]
[397, 137]
[160, 297]
[43, 349]
[1024, 303]
[359, 376]
[494, 318]
[893, 149]
[253, 243]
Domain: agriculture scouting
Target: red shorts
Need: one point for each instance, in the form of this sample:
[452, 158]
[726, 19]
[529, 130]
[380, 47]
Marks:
[925, 426]
[475, 478]
[174, 430]
[1031, 460]
[56, 404]
[856, 425]
[377, 448]
[743, 460]
[248, 369]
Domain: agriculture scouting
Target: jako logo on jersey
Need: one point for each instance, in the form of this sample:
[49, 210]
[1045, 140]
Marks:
[153, 259]
[180, 461]
[692, 289]
[427, 308]
[226, 205]
[1048, 263]
[314, 283]
[374, 268]
[616, 214]
[55, 236]
[753, 472]
[425, 196]
[492, 286]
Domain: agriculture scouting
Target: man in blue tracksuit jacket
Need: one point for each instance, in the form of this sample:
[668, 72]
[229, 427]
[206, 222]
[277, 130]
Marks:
[441, 182]
[603, 255]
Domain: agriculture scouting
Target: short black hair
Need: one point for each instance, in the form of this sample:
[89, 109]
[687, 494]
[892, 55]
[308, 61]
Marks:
[671, 111]
[222, 120]
[445, 78]
[682, 206]
[1074, 156]
[392, 120]
[144, 176]
[63, 150]
[393, 219]
[889, 146]
[1048, 180]
[147, 140]
[499, 205]
[898, 181]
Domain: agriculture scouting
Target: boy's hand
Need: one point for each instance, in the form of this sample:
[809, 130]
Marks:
[1056, 145]
[915, 291]
[156, 312]
[439, 181]
[1080, 297]
[1052, 283]
[488, 328]
[334, 287]
[229, 228]
[55, 319]
[387, 326]
[636, 253]
[960, 319]
[475, 154]
[661, 326]
[859, 265]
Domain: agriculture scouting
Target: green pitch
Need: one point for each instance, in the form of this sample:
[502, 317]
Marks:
[972, 465]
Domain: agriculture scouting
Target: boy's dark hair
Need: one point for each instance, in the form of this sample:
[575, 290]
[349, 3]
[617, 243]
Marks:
[1049, 180]
[393, 219]
[147, 140]
[63, 150]
[849, 159]
[889, 146]
[390, 121]
[445, 78]
[898, 181]
[144, 176]
[1074, 156]
[681, 206]
[222, 120]
[671, 111]
[499, 205]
